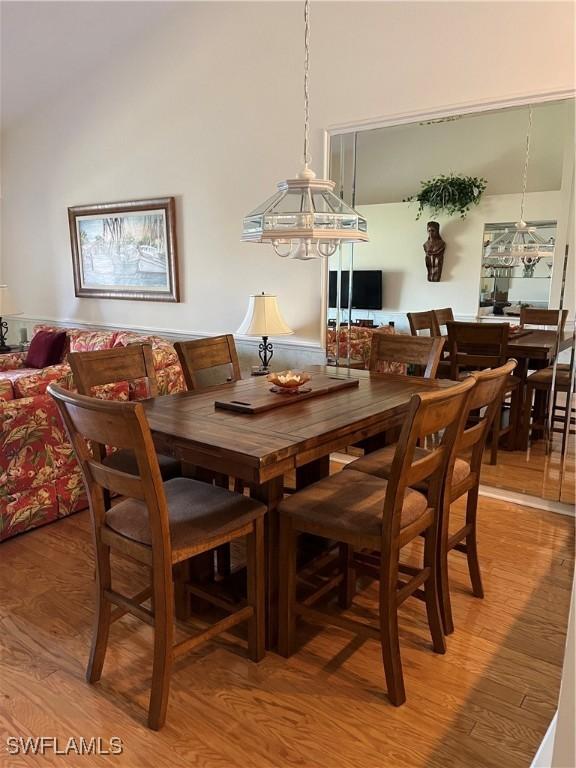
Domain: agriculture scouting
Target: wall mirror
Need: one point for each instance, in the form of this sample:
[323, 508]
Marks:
[381, 171]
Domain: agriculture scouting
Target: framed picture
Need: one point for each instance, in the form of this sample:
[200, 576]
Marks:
[125, 250]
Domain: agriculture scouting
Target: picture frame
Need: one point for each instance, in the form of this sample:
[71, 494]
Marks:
[125, 250]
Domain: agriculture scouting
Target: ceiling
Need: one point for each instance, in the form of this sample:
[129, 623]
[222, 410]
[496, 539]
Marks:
[391, 162]
[40, 57]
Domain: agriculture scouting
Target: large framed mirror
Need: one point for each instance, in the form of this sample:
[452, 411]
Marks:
[420, 259]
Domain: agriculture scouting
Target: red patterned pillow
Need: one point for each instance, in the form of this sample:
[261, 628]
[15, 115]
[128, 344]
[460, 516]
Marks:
[46, 348]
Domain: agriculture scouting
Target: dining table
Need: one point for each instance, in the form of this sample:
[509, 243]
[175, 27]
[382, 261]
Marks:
[261, 448]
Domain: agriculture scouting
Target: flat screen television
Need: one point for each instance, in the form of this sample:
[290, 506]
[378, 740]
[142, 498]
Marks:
[366, 289]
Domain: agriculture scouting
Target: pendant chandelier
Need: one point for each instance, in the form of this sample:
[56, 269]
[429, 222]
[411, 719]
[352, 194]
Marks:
[304, 219]
[523, 241]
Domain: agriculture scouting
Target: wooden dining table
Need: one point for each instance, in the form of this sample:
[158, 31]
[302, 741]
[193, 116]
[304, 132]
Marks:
[261, 448]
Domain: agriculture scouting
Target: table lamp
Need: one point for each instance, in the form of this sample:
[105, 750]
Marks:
[6, 308]
[263, 319]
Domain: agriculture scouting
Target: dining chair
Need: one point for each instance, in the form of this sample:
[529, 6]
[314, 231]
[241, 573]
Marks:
[443, 316]
[132, 365]
[421, 353]
[475, 346]
[535, 419]
[423, 321]
[158, 524]
[373, 519]
[463, 477]
[544, 318]
[199, 355]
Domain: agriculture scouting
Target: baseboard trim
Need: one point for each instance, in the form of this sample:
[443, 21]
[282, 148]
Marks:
[547, 505]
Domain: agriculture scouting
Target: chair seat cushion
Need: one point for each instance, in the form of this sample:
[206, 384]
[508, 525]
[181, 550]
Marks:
[125, 461]
[545, 376]
[379, 463]
[197, 512]
[352, 502]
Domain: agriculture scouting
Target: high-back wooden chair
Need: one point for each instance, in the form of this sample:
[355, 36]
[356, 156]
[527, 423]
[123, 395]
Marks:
[475, 346]
[422, 352]
[375, 515]
[201, 354]
[423, 321]
[443, 317]
[463, 477]
[546, 318]
[130, 364]
[159, 525]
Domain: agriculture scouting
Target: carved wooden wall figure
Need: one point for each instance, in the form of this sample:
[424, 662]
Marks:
[434, 249]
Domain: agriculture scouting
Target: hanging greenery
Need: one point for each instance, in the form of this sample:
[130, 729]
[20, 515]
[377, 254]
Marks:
[453, 194]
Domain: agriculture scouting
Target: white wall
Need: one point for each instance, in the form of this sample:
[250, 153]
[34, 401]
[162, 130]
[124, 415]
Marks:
[395, 247]
[205, 104]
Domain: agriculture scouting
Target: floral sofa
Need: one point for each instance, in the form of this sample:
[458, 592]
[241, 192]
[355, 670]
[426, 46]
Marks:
[40, 480]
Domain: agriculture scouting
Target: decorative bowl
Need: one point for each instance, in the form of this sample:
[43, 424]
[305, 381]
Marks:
[288, 380]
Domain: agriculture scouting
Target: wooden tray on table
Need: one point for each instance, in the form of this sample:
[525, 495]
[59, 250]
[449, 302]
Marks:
[267, 400]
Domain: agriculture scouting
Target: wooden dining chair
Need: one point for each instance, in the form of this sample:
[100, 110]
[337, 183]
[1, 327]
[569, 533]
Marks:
[421, 354]
[544, 318]
[199, 355]
[373, 519]
[423, 321]
[475, 346]
[158, 524]
[134, 366]
[535, 419]
[443, 317]
[462, 478]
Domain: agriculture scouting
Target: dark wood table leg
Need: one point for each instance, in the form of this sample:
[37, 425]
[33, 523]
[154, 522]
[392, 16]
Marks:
[312, 472]
[270, 494]
[514, 440]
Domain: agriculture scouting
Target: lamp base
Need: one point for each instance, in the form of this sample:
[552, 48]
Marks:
[259, 370]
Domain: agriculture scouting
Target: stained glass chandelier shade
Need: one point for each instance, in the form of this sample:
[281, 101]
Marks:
[305, 219]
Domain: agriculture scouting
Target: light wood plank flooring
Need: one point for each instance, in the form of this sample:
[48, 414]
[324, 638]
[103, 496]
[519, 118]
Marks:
[487, 702]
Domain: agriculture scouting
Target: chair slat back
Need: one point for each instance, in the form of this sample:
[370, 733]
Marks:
[120, 425]
[549, 318]
[477, 345]
[443, 317]
[200, 354]
[428, 413]
[421, 351]
[108, 366]
[485, 400]
[423, 321]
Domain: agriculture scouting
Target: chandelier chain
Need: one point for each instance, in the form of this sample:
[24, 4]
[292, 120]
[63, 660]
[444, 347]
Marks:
[307, 157]
[526, 162]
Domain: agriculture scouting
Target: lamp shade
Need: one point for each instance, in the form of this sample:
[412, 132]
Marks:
[7, 306]
[263, 318]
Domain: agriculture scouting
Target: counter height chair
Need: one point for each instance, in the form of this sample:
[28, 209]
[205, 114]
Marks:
[421, 353]
[380, 516]
[160, 525]
[443, 317]
[132, 364]
[462, 478]
[475, 346]
[544, 318]
[423, 321]
[199, 355]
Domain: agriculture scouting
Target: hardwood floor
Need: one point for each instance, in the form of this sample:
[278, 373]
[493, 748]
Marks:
[487, 702]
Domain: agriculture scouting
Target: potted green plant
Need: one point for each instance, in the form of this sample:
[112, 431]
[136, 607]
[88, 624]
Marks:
[452, 194]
